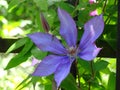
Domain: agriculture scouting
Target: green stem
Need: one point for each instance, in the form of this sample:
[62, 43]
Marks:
[78, 75]
[89, 86]
[92, 70]
[92, 74]
[103, 10]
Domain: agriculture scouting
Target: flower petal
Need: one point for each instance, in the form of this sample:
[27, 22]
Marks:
[47, 42]
[68, 27]
[62, 71]
[49, 65]
[89, 53]
[93, 29]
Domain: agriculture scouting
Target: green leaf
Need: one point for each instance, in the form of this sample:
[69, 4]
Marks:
[69, 83]
[111, 35]
[27, 47]
[100, 65]
[50, 16]
[111, 81]
[83, 17]
[112, 9]
[13, 4]
[67, 7]
[24, 85]
[48, 87]
[17, 45]
[37, 53]
[84, 64]
[18, 59]
[22, 56]
[42, 4]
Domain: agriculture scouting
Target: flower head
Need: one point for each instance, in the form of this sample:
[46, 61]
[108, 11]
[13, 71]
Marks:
[59, 63]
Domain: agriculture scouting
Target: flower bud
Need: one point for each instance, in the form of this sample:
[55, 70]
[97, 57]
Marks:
[93, 13]
[44, 23]
[34, 62]
[92, 1]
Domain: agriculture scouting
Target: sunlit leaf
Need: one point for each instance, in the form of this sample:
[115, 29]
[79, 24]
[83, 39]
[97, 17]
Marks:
[17, 45]
[21, 57]
[24, 85]
[27, 79]
[18, 59]
[111, 81]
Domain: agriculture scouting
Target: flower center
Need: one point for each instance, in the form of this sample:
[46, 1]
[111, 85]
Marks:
[72, 51]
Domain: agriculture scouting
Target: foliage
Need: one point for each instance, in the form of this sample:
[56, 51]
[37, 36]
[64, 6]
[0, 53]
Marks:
[20, 17]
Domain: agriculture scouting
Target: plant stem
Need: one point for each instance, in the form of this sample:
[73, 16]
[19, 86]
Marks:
[78, 75]
[54, 86]
[89, 86]
[103, 10]
[73, 69]
[91, 66]
[92, 75]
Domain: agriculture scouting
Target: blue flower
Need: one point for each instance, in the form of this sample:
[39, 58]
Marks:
[61, 59]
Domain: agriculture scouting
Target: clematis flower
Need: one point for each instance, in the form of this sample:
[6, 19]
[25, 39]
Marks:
[61, 59]
[93, 13]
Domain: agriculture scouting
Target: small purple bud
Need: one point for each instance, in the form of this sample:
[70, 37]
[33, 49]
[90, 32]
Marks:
[34, 62]
[92, 1]
[93, 13]
[44, 23]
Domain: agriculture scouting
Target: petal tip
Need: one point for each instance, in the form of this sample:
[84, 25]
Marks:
[33, 34]
[59, 10]
[28, 35]
[100, 16]
[34, 74]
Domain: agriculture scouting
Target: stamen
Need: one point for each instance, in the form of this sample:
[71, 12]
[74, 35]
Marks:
[72, 51]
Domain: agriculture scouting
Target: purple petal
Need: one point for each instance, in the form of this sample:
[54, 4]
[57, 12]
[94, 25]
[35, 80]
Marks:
[93, 29]
[62, 71]
[47, 42]
[49, 65]
[89, 53]
[68, 27]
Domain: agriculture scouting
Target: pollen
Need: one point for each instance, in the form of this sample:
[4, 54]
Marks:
[72, 51]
